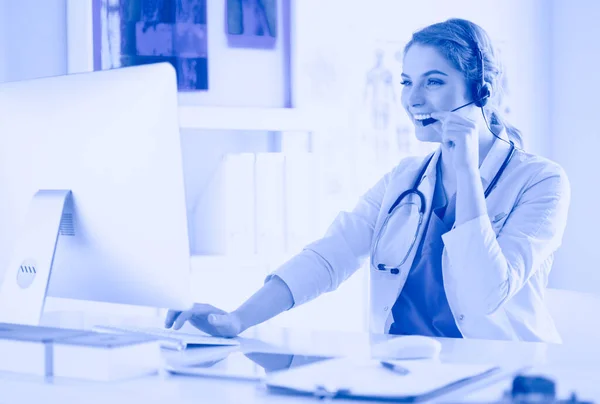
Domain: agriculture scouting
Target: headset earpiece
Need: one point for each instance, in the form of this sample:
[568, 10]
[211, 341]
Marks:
[483, 95]
[483, 90]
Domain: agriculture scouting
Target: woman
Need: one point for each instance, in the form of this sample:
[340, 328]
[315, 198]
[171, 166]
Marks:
[460, 243]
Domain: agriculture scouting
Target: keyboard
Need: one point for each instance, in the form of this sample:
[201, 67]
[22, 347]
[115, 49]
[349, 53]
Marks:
[171, 339]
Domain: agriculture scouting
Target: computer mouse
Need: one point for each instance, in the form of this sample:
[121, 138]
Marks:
[408, 347]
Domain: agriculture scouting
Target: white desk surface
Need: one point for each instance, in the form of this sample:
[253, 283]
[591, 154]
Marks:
[576, 367]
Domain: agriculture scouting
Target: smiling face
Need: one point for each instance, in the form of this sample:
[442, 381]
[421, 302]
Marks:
[432, 84]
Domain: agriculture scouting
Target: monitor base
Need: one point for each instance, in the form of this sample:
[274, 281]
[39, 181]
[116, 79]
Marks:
[23, 292]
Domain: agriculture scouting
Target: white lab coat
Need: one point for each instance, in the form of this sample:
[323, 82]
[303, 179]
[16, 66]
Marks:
[495, 267]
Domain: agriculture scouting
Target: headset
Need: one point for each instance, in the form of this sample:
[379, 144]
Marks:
[482, 90]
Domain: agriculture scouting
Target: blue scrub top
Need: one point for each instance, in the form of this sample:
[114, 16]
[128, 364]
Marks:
[422, 307]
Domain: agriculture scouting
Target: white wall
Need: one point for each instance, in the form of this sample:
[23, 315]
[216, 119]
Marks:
[35, 39]
[576, 137]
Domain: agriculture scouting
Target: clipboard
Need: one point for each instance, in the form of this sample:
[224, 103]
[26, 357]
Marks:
[368, 379]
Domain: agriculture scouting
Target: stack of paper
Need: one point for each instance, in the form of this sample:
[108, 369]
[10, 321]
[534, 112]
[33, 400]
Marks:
[106, 357]
[48, 351]
[28, 349]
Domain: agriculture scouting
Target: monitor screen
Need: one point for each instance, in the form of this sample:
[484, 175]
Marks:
[112, 139]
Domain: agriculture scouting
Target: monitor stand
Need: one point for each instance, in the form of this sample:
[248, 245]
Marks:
[23, 291]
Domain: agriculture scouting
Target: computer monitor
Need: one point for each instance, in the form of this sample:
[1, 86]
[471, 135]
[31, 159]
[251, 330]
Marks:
[111, 138]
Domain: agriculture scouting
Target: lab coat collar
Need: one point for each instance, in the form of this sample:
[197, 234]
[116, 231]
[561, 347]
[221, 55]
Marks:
[431, 173]
[495, 157]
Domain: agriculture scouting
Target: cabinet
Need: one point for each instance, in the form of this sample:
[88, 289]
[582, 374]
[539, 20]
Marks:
[299, 188]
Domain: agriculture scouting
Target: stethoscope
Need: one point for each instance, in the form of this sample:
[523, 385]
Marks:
[396, 270]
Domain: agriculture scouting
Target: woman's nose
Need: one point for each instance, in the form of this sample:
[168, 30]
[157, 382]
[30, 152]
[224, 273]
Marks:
[416, 97]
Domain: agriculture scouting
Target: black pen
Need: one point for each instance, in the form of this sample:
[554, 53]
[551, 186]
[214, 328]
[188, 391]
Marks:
[401, 370]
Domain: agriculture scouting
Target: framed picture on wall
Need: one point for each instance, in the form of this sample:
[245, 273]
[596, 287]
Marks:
[252, 23]
[250, 44]
[108, 34]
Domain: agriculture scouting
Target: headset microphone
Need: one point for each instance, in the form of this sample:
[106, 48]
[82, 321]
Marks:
[429, 121]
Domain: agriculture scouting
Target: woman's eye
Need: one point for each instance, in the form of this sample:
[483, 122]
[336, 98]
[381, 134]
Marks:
[434, 82]
[405, 82]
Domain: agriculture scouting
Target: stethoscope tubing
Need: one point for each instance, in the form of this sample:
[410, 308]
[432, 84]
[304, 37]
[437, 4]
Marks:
[396, 270]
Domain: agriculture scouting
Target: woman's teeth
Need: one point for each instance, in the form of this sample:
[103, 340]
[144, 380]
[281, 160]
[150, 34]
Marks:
[421, 117]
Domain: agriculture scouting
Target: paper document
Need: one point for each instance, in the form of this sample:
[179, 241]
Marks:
[369, 379]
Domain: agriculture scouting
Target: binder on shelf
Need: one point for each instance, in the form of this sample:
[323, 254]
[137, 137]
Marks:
[301, 200]
[239, 203]
[270, 209]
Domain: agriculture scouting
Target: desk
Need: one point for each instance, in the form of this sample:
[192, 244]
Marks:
[574, 363]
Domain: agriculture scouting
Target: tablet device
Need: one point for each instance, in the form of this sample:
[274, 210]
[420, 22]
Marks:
[248, 366]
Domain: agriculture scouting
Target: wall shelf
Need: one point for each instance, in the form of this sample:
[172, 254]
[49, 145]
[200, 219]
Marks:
[252, 118]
